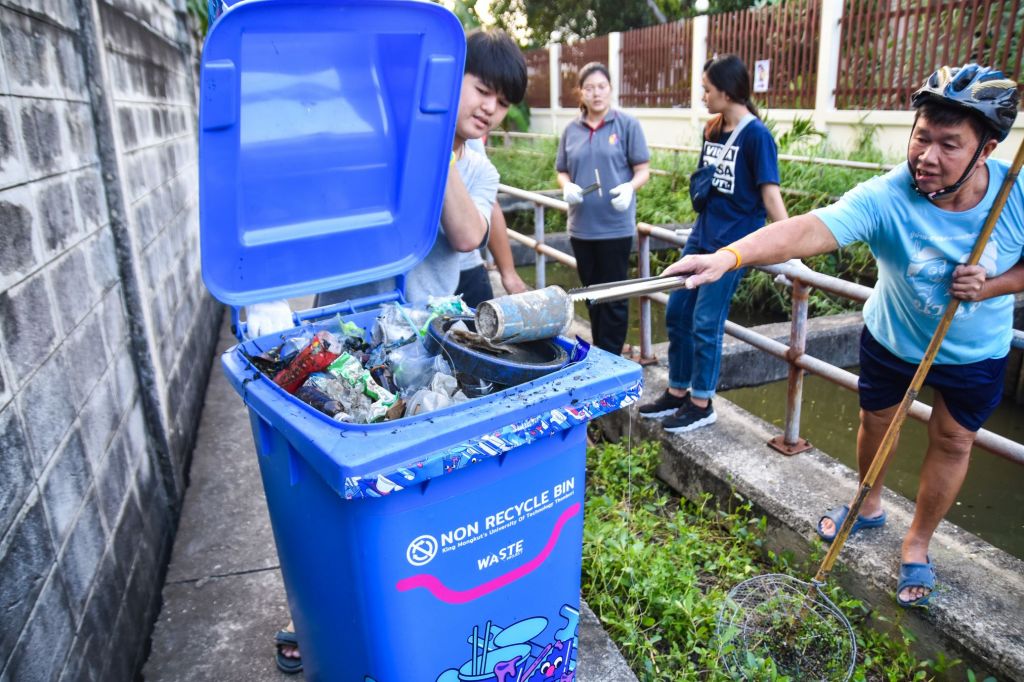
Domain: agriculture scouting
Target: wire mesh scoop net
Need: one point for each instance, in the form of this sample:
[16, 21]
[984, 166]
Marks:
[778, 623]
[775, 623]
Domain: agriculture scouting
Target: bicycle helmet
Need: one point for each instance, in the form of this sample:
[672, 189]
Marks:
[980, 89]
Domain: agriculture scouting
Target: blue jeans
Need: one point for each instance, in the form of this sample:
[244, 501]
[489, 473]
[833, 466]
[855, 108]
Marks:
[695, 319]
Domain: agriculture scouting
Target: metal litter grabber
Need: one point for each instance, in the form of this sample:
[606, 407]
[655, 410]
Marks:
[544, 313]
[594, 186]
[777, 622]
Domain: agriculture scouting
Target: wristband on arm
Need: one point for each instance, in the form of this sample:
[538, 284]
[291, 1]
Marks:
[739, 259]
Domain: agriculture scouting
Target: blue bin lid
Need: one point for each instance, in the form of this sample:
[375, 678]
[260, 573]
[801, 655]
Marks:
[325, 133]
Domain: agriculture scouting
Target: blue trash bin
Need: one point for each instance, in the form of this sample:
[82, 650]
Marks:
[444, 547]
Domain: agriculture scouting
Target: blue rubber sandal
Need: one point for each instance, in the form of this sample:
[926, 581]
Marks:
[287, 664]
[916, 575]
[838, 516]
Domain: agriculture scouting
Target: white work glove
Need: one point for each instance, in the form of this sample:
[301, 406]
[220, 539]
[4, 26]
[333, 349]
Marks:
[622, 196]
[572, 193]
[267, 318]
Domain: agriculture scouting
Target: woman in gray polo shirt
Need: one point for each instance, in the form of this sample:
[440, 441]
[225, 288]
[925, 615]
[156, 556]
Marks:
[607, 144]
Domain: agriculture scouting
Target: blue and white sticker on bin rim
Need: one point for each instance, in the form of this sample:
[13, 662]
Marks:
[488, 445]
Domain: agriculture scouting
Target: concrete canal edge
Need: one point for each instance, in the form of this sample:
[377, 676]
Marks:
[976, 611]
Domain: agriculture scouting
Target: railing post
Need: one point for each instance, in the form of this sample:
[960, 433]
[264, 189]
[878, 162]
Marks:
[790, 443]
[555, 84]
[643, 255]
[538, 234]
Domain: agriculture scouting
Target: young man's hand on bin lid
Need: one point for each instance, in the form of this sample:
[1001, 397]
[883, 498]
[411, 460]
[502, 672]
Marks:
[267, 318]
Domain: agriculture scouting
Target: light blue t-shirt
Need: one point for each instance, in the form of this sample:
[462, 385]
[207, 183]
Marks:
[917, 245]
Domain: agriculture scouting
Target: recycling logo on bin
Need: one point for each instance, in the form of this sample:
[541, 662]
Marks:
[422, 550]
[523, 552]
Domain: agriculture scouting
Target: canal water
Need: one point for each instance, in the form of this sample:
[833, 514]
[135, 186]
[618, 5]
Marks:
[991, 502]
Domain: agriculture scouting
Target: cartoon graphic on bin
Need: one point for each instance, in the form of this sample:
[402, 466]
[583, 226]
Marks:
[513, 654]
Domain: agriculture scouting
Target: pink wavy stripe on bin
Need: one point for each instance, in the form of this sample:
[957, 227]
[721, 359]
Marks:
[450, 596]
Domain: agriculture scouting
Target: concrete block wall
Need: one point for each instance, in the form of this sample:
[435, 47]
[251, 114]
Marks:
[105, 327]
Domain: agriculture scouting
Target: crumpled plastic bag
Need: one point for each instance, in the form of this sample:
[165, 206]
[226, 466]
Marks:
[413, 367]
[398, 324]
[426, 400]
[444, 383]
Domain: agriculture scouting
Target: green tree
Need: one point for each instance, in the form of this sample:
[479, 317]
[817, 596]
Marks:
[567, 21]
[466, 12]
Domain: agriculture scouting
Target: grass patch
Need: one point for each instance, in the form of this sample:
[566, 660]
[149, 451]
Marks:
[656, 569]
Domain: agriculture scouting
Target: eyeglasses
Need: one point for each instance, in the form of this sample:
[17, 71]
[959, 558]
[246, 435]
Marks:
[597, 87]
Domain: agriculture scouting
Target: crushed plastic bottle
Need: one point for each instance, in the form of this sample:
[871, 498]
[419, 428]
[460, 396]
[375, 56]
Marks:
[314, 397]
[317, 354]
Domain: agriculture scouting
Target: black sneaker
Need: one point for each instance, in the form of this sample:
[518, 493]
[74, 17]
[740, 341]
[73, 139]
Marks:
[665, 405]
[689, 417]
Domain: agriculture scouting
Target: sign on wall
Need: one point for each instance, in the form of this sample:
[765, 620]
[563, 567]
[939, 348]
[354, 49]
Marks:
[762, 69]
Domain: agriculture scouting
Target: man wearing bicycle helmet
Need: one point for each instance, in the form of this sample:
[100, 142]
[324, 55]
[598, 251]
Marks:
[920, 221]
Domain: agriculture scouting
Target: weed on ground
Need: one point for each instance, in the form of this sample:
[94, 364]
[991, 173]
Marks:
[657, 568]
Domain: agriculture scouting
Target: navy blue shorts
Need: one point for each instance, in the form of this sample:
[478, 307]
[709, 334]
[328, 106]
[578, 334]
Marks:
[971, 391]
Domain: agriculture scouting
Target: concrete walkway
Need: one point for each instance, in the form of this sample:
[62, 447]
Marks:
[224, 598]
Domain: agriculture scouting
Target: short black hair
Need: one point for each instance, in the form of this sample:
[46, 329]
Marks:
[493, 57]
[943, 114]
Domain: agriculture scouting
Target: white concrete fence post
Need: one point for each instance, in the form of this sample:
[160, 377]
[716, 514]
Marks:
[615, 65]
[828, 62]
[555, 86]
[698, 57]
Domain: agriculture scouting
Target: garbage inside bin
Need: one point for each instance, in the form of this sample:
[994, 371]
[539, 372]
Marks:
[426, 359]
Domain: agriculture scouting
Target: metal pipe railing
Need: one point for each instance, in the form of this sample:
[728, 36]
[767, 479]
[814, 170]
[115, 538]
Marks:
[538, 234]
[801, 278]
[542, 248]
[687, 149]
[672, 174]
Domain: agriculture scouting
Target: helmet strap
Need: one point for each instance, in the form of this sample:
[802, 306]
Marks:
[968, 172]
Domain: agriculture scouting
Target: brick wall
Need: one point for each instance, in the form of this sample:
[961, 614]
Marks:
[106, 329]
